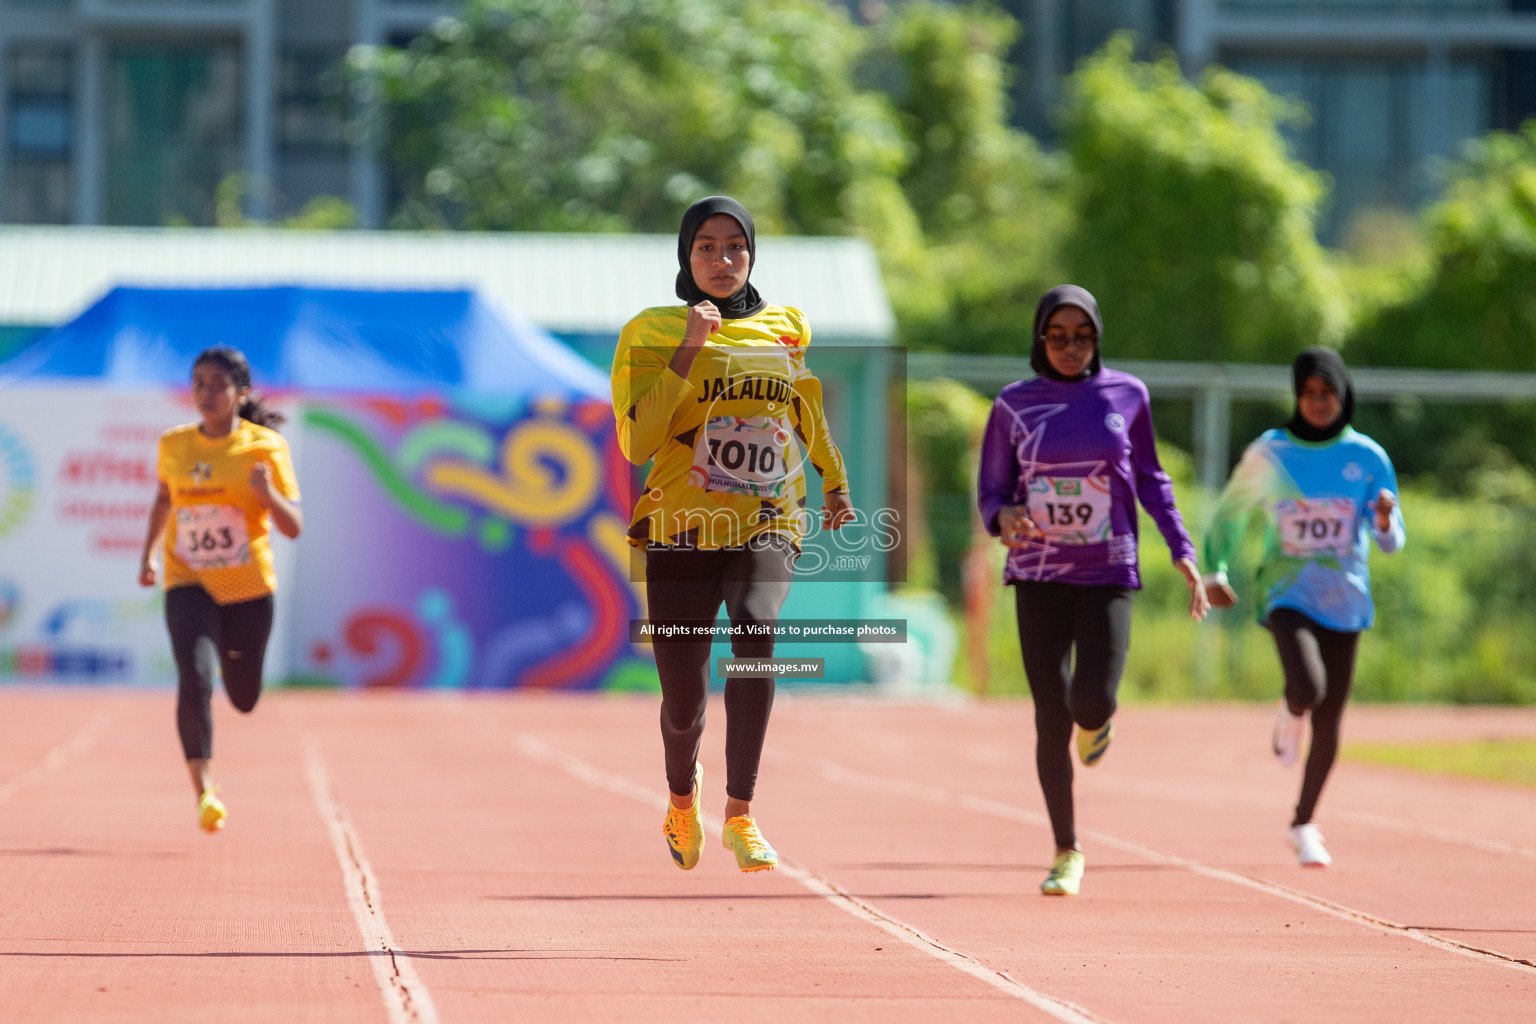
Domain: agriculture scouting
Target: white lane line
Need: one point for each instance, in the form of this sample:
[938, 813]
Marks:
[406, 999]
[1368, 819]
[59, 756]
[1059, 1009]
[1443, 835]
[837, 773]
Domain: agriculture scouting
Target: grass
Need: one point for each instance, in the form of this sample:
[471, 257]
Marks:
[1500, 760]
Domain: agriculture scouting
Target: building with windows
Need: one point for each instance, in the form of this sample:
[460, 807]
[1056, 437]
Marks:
[1392, 86]
[134, 112]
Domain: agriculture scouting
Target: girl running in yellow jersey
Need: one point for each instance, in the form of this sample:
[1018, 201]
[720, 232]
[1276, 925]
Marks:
[222, 481]
[717, 395]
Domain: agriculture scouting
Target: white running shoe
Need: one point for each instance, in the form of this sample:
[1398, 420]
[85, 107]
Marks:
[1287, 737]
[1307, 841]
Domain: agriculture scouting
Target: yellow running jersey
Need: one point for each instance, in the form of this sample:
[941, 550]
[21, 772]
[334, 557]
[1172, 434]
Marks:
[218, 534]
[729, 443]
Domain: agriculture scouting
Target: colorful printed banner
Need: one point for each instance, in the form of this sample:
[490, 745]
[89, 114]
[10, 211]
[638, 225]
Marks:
[77, 479]
[445, 544]
[453, 546]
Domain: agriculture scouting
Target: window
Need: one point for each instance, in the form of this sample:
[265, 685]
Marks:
[1366, 6]
[312, 101]
[173, 131]
[1377, 126]
[40, 129]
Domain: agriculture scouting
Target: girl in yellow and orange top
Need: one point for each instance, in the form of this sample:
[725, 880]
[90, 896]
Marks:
[222, 482]
[717, 395]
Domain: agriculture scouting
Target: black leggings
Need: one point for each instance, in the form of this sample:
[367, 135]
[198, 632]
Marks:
[1053, 618]
[1319, 666]
[686, 586]
[202, 631]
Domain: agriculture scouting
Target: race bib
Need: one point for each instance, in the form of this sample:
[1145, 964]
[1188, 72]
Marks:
[1315, 526]
[744, 455]
[212, 536]
[1071, 509]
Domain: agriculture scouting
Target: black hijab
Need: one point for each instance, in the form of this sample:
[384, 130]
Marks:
[744, 301]
[1064, 295]
[1329, 365]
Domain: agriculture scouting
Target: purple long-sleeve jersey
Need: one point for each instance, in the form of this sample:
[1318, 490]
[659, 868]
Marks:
[1079, 454]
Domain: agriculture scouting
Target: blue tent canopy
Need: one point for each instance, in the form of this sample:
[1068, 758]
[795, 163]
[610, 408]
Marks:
[313, 338]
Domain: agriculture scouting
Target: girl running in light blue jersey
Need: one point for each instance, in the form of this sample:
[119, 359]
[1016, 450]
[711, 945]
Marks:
[1326, 491]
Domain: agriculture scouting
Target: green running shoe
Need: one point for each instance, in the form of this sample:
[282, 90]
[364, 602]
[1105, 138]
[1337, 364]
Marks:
[1066, 874]
[1092, 745]
[683, 828]
[752, 851]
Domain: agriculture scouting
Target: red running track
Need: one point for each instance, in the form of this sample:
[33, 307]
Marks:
[421, 858]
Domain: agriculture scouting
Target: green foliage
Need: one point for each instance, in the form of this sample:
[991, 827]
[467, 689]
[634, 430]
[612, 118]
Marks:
[1194, 228]
[607, 115]
[945, 421]
[1453, 608]
[323, 213]
[1500, 760]
[1452, 613]
[1477, 308]
[614, 115]
[990, 203]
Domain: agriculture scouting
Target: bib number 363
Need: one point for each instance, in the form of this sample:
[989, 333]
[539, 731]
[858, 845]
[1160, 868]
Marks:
[212, 536]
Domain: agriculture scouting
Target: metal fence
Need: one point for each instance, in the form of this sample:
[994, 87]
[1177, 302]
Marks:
[1212, 387]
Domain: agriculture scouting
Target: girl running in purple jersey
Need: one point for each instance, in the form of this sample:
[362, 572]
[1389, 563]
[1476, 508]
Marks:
[1066, 456]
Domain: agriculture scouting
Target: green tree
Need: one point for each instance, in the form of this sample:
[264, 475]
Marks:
[1193, 226]
[1465, 302]
[614, 115]
[989, 202]
[945, 421]
[1477, 308]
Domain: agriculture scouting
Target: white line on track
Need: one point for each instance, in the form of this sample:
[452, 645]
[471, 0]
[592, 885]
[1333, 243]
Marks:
[60, 755]
[1368, 819]
[837, 773]
[1443, 835]
[1060, 1009]
[406, 999]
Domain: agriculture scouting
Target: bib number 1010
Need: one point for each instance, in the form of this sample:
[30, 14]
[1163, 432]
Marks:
[735, 455]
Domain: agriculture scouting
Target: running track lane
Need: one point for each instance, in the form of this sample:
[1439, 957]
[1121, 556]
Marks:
[1150, 940]
[518, 890]
[561, 901]
[115, 908]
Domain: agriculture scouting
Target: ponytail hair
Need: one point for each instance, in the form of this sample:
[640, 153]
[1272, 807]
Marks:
[233, 362]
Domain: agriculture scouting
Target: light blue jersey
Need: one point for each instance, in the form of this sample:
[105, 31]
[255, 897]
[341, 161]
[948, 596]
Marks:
[1318, 502]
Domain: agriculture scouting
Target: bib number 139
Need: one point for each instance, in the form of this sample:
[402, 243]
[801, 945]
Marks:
[1071, 510]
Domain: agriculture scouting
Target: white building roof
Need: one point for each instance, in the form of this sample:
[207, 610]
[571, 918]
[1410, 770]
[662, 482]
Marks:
[567, 283]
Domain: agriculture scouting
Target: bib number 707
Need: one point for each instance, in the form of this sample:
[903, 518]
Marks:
[1315, 526]
[1317, 529]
